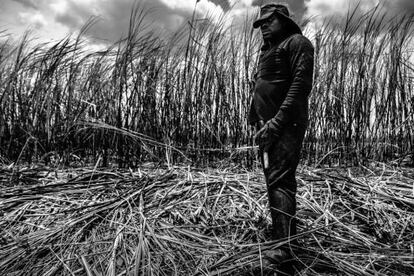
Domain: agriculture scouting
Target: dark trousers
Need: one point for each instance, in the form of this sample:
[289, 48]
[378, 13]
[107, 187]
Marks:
[284, 154]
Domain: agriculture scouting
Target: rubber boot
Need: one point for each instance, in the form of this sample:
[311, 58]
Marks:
[283, 208]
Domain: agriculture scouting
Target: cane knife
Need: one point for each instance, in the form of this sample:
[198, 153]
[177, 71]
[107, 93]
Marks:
[265, 154]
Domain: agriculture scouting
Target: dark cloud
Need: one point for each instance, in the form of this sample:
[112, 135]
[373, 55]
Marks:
[30, 3]
[337, 10]
[74, 16]
[168, 16]
[159, 16]
[357, 15]
[399, 7]
[224, 4]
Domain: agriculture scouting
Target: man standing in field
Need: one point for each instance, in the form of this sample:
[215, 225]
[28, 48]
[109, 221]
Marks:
[279, 111]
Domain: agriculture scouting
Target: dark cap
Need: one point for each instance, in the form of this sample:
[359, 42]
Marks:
[268, 10]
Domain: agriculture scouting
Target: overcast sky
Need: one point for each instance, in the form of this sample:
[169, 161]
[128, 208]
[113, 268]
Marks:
[53, 19]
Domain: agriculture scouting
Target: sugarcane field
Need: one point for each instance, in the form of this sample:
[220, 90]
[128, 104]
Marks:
[206, 137]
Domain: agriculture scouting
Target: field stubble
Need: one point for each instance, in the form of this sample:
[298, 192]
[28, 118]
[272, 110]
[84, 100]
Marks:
[187, 221]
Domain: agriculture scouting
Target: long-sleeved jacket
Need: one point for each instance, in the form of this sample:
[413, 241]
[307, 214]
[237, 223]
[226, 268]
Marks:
[283, 84]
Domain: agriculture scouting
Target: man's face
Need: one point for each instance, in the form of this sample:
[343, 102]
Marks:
[271, 28]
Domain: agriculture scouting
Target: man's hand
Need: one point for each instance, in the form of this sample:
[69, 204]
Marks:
[267, 135]
[262, 136]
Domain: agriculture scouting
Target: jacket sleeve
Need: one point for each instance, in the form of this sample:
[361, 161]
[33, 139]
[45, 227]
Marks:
[300, 58]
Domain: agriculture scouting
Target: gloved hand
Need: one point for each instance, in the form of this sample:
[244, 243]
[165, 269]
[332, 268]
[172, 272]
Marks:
[267, 135]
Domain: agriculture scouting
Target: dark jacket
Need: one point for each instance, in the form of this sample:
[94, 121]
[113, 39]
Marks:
[283, 83]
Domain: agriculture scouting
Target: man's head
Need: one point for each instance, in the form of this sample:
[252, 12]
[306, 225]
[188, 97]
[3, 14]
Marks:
[275, 18]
